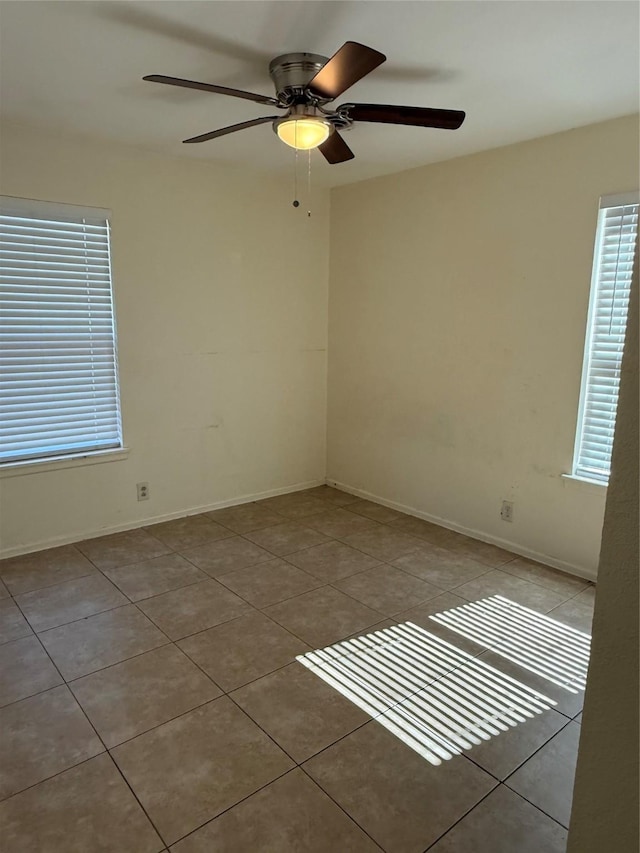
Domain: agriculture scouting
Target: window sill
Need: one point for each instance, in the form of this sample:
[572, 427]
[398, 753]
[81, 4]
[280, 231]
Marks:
[594, 486]
[40, 466]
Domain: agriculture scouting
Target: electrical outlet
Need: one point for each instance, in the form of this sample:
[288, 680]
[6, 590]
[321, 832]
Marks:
[506, 513]
[143, 491]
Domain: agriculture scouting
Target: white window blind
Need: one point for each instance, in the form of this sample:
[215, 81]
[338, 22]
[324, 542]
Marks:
[615, 246]
[58, 366]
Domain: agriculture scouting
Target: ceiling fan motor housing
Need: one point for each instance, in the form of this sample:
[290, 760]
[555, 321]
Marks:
[291, 73]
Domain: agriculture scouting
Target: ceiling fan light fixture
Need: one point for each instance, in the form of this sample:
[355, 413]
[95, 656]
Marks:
[303, 132]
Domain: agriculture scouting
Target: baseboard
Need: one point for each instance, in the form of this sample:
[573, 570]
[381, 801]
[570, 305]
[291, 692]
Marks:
[508, 545]
[146, 522]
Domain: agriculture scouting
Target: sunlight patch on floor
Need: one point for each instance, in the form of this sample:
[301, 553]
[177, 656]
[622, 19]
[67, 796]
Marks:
[435, 697]
[544, 646]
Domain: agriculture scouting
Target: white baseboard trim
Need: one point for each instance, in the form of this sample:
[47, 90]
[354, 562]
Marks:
[508, 545]
[80, 536]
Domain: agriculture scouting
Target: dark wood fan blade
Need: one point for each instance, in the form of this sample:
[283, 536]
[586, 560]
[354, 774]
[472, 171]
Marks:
[210, 87]
[348, 65]
[419, 116]
[204, 137]
[335, 149]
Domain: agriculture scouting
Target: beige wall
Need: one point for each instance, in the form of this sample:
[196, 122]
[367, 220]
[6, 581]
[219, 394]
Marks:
[605, 806]
[458, 302]
[221, 300]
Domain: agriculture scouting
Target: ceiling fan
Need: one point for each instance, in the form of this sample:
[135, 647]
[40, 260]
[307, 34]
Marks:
[305, 84]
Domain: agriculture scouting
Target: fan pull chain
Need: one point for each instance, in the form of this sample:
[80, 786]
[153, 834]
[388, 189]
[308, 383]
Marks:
[309, 182]
[296, 203]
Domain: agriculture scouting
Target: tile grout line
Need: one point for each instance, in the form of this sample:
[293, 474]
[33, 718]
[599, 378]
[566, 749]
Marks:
[542, 585]
[535, 752]
[65, 684]
[78, 619]
[371, 607]
[107, 750]
[462, 817]
[522, 797]
[53, 775]
[565, 723]
[244, 799]
[113, 762]
[503, 784]
[449, 589]
[524, 580]
[488, 794]
[273, 603]
[51, 585]
[342, 809]
[228, 809]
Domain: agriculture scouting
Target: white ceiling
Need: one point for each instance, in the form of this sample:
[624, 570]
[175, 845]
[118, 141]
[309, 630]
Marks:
[520, 69]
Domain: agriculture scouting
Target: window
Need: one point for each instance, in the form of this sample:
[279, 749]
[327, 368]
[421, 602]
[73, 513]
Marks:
[58, 367]
[615, 246]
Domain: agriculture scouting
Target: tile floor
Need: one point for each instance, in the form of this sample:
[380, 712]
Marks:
[150, 699]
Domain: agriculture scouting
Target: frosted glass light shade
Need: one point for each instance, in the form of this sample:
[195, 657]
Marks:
[304, 133]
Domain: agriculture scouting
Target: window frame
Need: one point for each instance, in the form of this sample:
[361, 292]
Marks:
[605, 202]
[52, 457]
